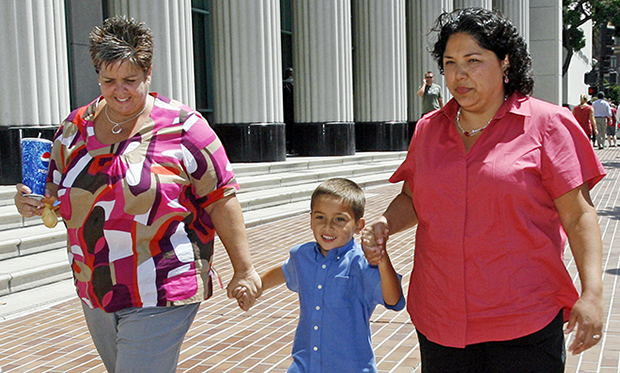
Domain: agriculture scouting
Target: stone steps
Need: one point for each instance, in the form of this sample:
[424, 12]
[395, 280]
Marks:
[33, 256]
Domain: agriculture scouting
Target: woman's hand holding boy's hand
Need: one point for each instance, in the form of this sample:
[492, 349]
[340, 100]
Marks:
[373, 254]
[243, 299]
[374, 238]
[246, 289]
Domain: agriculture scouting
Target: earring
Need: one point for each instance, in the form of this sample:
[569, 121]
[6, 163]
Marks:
[506, 80]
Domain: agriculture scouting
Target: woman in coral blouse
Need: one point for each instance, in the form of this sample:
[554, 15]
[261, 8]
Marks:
[584, 113]
[496, 181]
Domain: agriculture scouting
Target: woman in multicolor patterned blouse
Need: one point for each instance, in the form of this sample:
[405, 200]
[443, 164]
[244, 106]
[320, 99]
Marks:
[143, 183]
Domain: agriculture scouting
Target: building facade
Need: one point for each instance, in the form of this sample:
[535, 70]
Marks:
[356, 65]
[573, 83]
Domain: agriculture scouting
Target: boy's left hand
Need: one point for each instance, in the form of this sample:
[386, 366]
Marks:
[374, 239]
[373, 254]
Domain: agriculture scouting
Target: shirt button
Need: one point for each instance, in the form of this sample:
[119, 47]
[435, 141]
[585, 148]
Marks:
[318, 308]
[320, 287]
[316, 327]
[315, 348]
[323, 266]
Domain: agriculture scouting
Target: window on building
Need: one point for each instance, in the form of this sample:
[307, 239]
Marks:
[286, 23]
[203, 57]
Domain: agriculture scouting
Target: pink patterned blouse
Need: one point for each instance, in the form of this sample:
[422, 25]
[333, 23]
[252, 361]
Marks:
[138, 232]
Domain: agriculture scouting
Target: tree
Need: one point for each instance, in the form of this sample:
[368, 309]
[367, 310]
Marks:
[578, 12]
[614, 93]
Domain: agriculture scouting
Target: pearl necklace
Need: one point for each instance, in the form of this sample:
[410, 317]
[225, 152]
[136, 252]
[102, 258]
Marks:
[472, 132]
[117, 125]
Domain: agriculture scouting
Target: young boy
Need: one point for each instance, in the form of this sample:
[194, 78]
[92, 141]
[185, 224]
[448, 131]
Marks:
[338, 289]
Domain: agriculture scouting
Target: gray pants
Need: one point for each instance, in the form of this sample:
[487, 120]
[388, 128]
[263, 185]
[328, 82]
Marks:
[601, 125]
[140, 340]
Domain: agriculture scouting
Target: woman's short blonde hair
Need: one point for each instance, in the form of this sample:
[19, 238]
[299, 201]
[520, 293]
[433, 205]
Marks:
[121, 39]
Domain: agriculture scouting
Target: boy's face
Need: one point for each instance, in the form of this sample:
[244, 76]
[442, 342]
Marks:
[333, 223]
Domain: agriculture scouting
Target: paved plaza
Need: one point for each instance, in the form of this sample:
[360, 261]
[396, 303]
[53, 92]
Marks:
[223, 338]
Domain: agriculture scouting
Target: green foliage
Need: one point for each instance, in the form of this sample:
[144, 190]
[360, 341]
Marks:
[575, 14]
[614, 94]
[576, 39]
[578, 12]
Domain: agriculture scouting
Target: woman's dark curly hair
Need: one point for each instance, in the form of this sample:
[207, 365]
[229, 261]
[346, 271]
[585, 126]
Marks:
[493, 32]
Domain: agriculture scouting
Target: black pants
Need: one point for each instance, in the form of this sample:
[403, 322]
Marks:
[542, 351]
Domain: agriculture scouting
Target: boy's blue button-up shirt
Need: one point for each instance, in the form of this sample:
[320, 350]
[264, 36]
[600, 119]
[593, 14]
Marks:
[337, 295]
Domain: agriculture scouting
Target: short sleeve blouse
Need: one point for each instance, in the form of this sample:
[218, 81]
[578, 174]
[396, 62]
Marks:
[489, 244]
[138, 233]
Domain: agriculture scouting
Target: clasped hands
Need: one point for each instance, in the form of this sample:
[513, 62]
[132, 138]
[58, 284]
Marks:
[374, 239]
[246, 288]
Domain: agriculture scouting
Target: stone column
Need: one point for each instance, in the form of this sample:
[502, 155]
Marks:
[546, 49]
[518, 11]
[173, 59]
[248, 79]
[380, 78]
[460, 4]
[322, 58]
[421, 16]
[34, 69]
[82, 17]
[34, 63]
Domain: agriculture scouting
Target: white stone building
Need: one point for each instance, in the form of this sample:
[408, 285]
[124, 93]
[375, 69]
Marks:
[357, 65]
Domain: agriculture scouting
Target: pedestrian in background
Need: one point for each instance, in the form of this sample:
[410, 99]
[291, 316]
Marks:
[584, 113]
[611, 126]
[143, 184]
[495, 182]
[430, 93]
[602, 113]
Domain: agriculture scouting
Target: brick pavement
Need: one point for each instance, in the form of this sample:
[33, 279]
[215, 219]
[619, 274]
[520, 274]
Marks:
[224, 339]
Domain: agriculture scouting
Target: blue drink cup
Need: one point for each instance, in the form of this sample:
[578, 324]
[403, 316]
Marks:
[35, 162]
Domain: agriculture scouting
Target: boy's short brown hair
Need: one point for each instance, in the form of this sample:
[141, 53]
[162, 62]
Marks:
[344, 189]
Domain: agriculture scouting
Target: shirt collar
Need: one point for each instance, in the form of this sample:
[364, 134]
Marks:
[334, 253]
[516, 103]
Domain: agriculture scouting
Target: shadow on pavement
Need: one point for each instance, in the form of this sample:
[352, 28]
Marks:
[615, 271]
[613, 213]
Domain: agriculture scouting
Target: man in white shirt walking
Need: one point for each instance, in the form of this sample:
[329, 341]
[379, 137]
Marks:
[602, 113]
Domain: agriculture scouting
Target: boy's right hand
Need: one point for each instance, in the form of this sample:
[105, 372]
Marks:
[243, 299]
